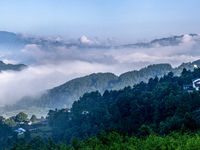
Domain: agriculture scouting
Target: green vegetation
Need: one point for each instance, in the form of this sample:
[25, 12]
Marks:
[33, 118]
[5, 132]
[63, 96]
[158, 114]
[21, 117]
[161, 104]
[115, 141]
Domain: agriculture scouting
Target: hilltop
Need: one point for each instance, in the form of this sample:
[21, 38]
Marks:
[17, 67]
[64, 95]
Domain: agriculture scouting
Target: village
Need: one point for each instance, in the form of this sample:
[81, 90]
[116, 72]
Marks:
[38, 127]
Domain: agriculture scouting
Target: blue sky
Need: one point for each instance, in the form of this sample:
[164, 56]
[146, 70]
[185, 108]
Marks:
[92, 21]
[127, 20]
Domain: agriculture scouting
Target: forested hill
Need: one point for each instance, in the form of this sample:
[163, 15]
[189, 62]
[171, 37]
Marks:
[64, 95]
[158, 114]
[160, 105]
[17, 67]
[133, 77]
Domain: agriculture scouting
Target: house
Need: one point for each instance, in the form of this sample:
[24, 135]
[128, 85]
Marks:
[20, 131]
[29, 122]
[196, 83]
[188, 87]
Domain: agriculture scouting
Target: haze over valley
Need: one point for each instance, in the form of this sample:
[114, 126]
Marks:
[105, 74]
[54, 61]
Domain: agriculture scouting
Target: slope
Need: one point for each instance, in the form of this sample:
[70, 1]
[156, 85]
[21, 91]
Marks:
[17, 67]
[64, 95]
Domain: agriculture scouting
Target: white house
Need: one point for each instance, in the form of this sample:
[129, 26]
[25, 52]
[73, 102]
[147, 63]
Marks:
[196, 83]
[20, 131]
[29, 122]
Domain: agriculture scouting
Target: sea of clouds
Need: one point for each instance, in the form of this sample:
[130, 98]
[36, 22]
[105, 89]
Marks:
[54, 61]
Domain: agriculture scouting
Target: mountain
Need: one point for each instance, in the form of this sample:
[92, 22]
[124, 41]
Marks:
[189, 65]
[10, 39]
[18, 41]
[170, 41]
[133, 77]
[161, 105]
[64, 95]
[151, 114]
[17, 67]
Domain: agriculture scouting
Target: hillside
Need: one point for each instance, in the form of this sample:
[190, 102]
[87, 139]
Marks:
[153, 112]
[64, 95]
[160, 106]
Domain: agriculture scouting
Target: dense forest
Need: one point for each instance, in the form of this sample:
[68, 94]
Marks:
[64, 95]
[161, 105]
[158, 114]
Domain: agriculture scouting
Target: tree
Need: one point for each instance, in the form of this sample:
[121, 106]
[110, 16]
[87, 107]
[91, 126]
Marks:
[10, 122]
[21, 117]
[27, 135]
[144, 131]
[33, 118]
[184, 72]
[2, 119]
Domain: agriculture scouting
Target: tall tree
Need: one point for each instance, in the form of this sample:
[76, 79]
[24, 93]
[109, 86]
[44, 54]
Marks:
[21, 117]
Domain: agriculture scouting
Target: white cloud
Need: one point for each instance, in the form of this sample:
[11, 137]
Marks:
[85, 40]
[54, 65]
[36, 79]
[189, 48]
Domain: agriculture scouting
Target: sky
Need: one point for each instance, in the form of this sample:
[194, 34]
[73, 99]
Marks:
[91, 23]
[127, 20]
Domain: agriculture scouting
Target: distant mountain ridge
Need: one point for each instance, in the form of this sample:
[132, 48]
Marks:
[170, 41]
[17, 67]
[19, 40]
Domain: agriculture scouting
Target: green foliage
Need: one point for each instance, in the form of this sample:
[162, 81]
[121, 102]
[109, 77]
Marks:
[144, 74]
[21, 117]
[160, 105]
[64, 95]
[11, 122]
[109, 120]
[159, 113]
[5, 132]
[33, 118]
[144, 131]
[27, 135]
[115, 141]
